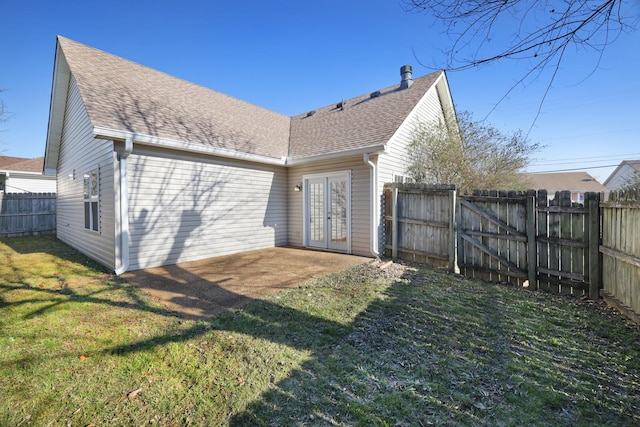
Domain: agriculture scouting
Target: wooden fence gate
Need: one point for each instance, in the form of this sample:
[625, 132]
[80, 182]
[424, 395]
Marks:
[530, 239]
[496, 237]
[524, 238]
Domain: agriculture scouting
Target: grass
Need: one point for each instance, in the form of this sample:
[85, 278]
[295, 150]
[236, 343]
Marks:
[394, 347]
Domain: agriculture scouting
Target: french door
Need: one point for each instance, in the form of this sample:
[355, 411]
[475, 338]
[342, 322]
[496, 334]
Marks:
[328, 211]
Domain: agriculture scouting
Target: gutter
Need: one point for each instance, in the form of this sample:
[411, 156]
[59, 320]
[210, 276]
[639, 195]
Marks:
[113, 134]
[106, 133]
[122, 249]
[373, 212]
[355, 152]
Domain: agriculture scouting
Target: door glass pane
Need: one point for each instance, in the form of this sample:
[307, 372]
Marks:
[86, 186]
[87, 215]
[316, 211]
[94, 183]
[94, 215]
[339, 212]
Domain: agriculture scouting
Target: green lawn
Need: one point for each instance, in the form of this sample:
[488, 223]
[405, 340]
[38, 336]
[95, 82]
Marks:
[394, 347]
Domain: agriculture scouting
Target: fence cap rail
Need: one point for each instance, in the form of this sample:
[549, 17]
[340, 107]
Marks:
[25, 195]
[629, 197]
[419, 186]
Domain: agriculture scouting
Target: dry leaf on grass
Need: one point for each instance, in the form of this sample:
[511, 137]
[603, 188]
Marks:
[134, 393]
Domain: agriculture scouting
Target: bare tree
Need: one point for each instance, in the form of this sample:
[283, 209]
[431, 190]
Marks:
[632, 182]
[469, 154]
[542, 30]
[4, 114]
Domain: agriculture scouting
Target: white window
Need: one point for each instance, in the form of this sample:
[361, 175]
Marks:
[91, 200]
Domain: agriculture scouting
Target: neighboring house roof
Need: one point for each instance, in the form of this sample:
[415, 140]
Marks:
[633, 164]
[557, 181]
[26, 165]
[7, 160]
[21, 164]
[122, 96]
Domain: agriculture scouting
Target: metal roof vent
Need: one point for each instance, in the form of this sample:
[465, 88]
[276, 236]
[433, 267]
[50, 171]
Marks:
[406, 71]
[341, 105]
[374, 94]
[311, 113]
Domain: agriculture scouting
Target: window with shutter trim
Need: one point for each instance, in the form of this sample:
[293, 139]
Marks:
[91, 200]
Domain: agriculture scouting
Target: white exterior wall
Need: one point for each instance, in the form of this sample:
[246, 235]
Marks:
[395, 159]
[185, 207]
[620, 178]
[20, 182]
[360, 207]
[79, 151]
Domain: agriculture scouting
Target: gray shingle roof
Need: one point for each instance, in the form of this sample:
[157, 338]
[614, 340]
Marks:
[635, 164]
[26, 165]
[125, 96]
[364, 120]
[558, 181]
[122, 95]
[5, 161]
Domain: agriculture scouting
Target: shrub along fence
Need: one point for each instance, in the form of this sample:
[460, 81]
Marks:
[526, 238]
[25, 214]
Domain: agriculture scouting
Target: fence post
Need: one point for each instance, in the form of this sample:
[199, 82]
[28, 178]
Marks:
[594, 248]
[532, 255]
[394, 224]
[453, 264]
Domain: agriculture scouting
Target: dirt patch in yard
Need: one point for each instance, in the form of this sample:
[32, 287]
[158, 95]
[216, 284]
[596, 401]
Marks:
[206, 287]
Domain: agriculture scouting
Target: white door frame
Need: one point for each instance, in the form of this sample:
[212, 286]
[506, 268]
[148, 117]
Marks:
[326, 176]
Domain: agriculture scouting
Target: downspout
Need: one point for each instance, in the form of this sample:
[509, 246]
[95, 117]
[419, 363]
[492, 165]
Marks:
[373, 213]
[123, 241]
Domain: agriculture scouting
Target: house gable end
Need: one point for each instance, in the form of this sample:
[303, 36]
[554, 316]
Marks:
[57, 107]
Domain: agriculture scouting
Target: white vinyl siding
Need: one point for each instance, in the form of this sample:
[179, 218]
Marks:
[29, 183]
[189, 207]
[395, 161]
[360, 235]
[80, 152]
[621, 177]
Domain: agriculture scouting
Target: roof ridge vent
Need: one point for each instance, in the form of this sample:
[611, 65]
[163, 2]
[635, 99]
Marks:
[311, 113]
[374, 94]
[406, 71]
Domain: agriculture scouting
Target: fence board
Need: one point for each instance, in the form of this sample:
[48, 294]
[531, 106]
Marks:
[542, 232]
[544, 241]
[422, 220]
[620, 251]
[559, 246]
[24, 214]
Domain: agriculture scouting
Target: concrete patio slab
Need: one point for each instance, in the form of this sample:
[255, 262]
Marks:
[207, 287]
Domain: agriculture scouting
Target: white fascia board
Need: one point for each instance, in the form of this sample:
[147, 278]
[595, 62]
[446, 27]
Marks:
[372, 149]
[57, 102]
[105, 133]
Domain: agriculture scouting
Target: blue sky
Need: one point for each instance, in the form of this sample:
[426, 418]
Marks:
[292, 57]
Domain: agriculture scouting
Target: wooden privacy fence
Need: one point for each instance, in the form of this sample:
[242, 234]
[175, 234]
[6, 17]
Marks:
[522, 238]
[621, 252]
[24, 214]
[418, 223]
